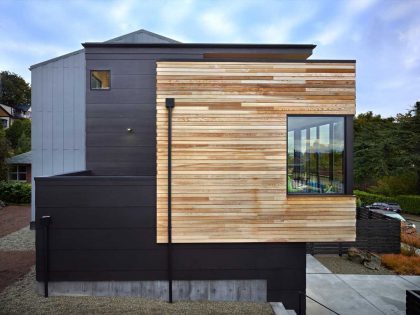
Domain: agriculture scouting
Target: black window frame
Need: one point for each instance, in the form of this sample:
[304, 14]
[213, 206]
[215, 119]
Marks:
[99, 89]
[347, 158]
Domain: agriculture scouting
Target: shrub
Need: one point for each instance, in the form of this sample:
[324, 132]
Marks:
[16, 129]
[396, 185]
[369, 198]
[15, 192]
[401, 264]
[409, 203]
[411, 239]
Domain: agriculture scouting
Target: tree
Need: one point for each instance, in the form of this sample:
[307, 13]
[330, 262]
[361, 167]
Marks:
[410, 123]
[14, 90]
[386, 153]
[24, 144]
[4, 153]
[15, 131]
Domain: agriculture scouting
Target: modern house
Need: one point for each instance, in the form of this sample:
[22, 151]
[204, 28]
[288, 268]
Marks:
[192, 171]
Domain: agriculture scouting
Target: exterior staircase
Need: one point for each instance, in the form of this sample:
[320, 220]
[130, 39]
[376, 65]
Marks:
[279, 309]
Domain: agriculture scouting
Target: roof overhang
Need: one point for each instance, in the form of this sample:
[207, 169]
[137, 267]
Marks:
[198, 45]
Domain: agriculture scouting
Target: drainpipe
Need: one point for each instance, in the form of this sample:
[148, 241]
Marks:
[170, 104]
[45, 222]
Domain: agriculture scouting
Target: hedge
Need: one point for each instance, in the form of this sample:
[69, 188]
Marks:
[15, 192]
[409, 203]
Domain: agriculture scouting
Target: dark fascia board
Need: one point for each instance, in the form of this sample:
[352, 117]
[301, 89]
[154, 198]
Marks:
[197, 45]
[259, 60]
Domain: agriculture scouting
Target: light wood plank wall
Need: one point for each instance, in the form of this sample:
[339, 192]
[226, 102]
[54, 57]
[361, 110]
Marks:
[229, 151]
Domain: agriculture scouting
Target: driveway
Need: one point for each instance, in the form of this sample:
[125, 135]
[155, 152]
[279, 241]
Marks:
[17, 244]
[355, 294]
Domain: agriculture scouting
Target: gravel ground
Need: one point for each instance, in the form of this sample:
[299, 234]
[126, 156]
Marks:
[14, 265]
[341, 265]
[13, 218]
[23, 239]
[20, 298]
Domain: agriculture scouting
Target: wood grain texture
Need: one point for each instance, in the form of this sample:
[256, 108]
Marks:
[229, 151]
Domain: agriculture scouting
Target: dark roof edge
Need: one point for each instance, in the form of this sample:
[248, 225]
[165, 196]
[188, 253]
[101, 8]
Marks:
[260, 60]
[198, 45]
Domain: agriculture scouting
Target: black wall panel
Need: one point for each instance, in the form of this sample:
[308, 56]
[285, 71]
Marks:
[104, 228]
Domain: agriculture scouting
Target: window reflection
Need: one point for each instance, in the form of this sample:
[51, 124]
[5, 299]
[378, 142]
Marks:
[100, 80]
[315, 155]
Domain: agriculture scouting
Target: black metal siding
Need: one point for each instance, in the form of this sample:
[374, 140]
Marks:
[131, 103]
[104, 228]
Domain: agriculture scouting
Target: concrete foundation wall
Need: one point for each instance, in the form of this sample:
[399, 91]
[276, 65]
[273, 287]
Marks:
[194, 290]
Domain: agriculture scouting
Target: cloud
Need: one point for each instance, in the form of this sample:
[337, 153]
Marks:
[400, 10]
[410, 38]
[120, 12]
[343, 21]
[282, 27]
[217, 22]
[35, 49]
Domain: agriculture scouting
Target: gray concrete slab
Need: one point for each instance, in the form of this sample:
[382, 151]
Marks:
[413, 279]
[313, 308]
[335, 293]
[356, 294]
[314, 266]
[387, 293]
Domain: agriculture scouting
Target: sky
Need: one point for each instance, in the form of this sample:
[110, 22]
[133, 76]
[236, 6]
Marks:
[383, 36]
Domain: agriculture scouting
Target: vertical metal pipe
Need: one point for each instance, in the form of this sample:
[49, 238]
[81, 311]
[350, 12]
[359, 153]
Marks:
[318, 160]
[170, 104]
[45, 222]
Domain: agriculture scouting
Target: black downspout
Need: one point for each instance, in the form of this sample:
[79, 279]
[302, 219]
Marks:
[45, 222]
[170, 104]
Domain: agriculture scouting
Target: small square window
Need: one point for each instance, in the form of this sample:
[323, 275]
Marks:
[100, 79]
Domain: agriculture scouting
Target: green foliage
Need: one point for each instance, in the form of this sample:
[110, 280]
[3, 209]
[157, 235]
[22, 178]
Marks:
[15, 192]
[13, 89]
[386, 150]
[4, 153]
[396, 185]
[409, 203]
[369, 198]
[15, 131]
[24, 144]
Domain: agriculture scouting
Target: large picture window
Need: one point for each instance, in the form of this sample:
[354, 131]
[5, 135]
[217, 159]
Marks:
[315, 154]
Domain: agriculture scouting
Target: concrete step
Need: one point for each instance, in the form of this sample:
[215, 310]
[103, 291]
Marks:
[279, 309]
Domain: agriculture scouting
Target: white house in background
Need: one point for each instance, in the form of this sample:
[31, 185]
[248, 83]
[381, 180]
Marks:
[6, 116]
[58, 110]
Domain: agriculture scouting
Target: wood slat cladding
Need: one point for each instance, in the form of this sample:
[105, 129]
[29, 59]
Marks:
[229, 151]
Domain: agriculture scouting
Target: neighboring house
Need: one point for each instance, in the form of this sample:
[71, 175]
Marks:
[22, 111]
[205, 166]
[8, 114]
[20, 167]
